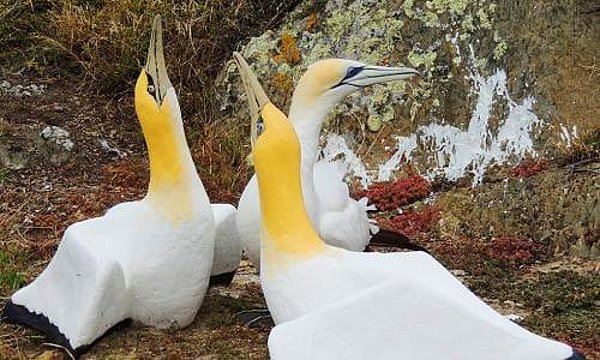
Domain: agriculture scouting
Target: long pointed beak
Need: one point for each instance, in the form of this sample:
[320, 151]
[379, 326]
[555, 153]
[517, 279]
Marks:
[155, 62]
[381, 74]
[255, 94]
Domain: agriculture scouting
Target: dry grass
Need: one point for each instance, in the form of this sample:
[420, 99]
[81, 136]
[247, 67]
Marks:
[106, 41]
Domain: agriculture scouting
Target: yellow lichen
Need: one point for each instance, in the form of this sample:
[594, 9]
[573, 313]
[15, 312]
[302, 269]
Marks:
[283, 82]
[452, 6]
[500, 50]
[468, 24]
[430, 19]
[340, 22]
[288, 51]
[311, 22]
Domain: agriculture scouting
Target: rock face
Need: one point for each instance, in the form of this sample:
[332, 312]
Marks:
[501, 81]
[21, 148]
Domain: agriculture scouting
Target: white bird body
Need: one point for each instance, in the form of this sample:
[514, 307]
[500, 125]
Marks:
[228, 246]
[340, 220]
[401, 319]
[331, 303]
[148, 260]
[133, 262]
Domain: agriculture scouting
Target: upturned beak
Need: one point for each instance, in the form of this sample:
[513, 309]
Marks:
[155, 63]
[255, 94]
[380, 74]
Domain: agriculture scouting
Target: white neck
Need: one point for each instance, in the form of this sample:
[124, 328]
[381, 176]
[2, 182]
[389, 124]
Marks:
[307, 119]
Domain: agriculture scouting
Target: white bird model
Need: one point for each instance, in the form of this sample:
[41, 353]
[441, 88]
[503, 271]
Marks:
[147, 260]
[228, 246]
[331, 303]
[340, 220]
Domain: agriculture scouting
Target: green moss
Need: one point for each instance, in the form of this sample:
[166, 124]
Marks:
[11, 276]
[3, 174]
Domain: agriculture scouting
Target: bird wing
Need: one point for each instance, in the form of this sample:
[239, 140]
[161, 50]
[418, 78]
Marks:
[332, 191]
[79, 283]
[401, 319]
[343, 221]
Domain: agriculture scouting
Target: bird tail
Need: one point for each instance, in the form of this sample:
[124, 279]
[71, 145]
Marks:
[393, 239]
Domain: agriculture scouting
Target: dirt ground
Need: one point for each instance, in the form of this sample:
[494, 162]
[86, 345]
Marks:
[553, 292]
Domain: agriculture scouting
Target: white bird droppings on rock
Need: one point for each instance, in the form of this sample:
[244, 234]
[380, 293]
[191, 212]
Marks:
[336, 146]
[456, 152]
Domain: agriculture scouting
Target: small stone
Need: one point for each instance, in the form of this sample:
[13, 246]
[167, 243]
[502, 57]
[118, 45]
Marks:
[56, 144]
[514, 318]
[458, 273]
[111, 149]
[57, 135]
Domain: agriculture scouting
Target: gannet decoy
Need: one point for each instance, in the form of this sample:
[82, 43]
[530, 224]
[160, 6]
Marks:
[148, 260]
[340, 220]
[331, 303]
[228, 246]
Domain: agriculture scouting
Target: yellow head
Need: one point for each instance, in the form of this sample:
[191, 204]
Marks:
[155, 101]
[330, 80]
[276, 154]
[158, 111]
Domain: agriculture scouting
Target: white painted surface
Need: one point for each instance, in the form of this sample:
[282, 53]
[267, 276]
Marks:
[228, 247]
[348, 305]
[401, 319]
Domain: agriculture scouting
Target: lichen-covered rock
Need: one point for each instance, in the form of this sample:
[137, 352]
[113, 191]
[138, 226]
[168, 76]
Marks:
[55, 145]
[495, 84]
[556, 208]
[23, 147]
[16, 152]
[21, 90]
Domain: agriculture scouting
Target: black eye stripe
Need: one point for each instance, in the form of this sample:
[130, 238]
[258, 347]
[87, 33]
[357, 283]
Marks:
[260, 126]
[353, 71]
[152, 89]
